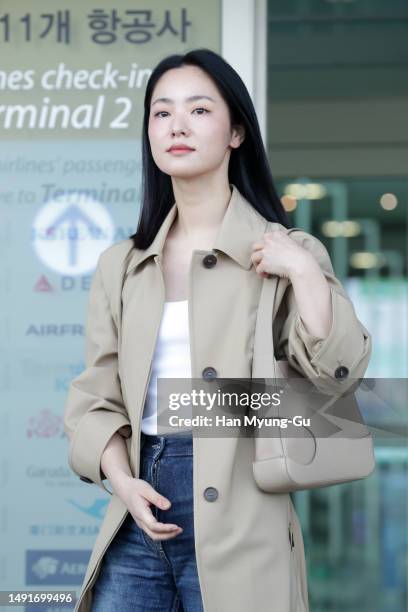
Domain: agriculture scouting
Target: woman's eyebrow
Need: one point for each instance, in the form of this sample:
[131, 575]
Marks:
[189, 99]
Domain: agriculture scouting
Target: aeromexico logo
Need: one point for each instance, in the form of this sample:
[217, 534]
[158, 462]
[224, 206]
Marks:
[56, 567]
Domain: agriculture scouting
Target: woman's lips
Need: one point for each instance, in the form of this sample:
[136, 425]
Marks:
[180, 151]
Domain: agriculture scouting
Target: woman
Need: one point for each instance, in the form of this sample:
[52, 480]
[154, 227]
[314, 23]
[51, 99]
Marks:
[187, 528]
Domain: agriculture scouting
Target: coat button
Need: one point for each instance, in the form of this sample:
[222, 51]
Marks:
[209, 373]
[85, 479]
[210, 494]
[209, 260]
[341, 372]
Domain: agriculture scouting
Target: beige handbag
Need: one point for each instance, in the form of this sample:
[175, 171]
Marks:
[331, 450]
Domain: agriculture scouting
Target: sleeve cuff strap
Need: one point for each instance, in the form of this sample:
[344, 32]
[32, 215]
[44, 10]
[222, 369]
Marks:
[345, 332]
[90, 439]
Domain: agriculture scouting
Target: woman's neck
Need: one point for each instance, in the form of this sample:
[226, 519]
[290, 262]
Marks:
[200, 209]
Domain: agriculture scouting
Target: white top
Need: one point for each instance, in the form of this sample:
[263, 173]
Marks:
[171, 359]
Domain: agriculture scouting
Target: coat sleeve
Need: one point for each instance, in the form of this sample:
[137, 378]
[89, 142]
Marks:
[334, 363]
[94, 408]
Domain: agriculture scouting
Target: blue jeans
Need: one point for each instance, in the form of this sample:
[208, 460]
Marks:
[139, 574]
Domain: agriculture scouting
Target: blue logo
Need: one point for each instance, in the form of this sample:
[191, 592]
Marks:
[56, 567]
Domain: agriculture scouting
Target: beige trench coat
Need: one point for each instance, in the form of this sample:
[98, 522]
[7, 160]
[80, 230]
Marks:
[249, 545]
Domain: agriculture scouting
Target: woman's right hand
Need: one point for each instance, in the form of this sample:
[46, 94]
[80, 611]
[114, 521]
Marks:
[138, 495]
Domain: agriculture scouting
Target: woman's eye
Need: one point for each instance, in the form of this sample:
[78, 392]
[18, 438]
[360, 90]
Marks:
[200, 108]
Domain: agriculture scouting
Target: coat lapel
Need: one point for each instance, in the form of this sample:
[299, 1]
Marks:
[242, 225]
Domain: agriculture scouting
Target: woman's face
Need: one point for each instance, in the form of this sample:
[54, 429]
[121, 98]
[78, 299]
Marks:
[202, 123]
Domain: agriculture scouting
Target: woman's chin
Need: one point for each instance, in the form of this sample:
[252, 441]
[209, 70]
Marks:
[184, 173]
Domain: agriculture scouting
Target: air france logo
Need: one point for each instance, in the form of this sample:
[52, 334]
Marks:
[70, 232]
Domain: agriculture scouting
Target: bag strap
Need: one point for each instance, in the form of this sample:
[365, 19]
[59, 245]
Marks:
[264, 361]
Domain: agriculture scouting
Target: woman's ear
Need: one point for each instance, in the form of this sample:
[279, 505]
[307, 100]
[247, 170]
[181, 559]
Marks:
[238, 135]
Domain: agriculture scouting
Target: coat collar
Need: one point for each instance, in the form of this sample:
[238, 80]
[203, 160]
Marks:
[241, 225]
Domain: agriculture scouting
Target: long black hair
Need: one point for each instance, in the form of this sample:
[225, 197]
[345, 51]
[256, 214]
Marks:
[248, 168]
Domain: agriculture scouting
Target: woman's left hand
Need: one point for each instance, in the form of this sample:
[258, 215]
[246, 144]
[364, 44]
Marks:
[278, 254]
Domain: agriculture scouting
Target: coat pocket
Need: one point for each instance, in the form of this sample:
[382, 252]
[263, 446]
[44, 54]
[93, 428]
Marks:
[298, 580]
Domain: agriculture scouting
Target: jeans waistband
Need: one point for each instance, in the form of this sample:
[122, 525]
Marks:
[170, 445]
